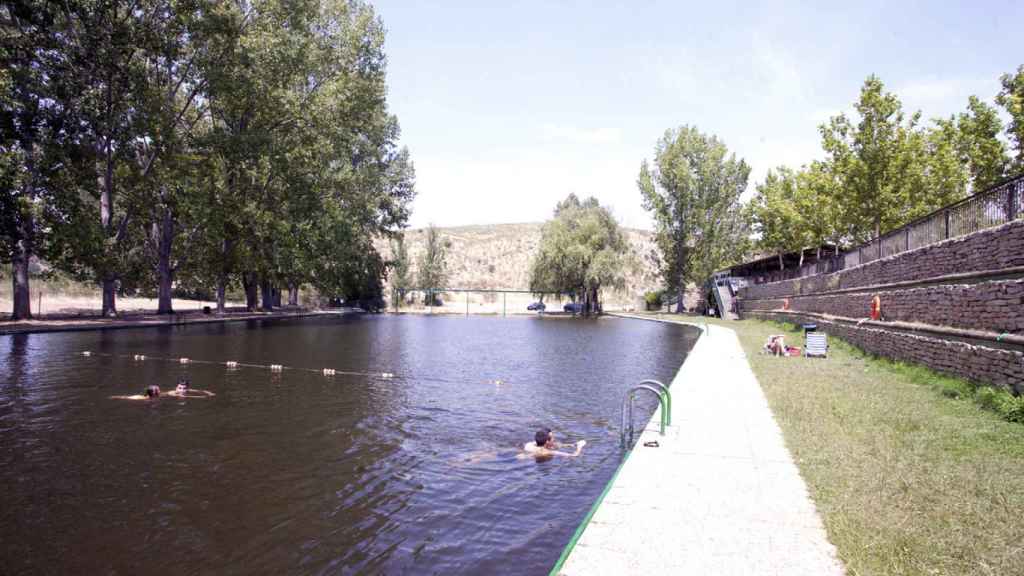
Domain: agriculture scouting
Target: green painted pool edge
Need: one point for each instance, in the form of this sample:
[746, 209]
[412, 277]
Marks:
[597, 504]
[586, 519]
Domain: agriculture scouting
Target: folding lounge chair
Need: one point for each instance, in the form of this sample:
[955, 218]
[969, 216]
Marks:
[816, 344]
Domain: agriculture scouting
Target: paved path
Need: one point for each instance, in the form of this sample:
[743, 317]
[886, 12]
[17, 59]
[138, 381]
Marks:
[721, 495]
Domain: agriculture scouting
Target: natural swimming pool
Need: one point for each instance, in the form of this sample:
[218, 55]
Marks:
[295, 472]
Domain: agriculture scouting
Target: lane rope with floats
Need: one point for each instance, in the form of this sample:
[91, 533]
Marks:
[234, 365]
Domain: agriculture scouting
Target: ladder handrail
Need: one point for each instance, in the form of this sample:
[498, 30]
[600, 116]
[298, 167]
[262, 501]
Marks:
[668, 397]
[628, 401]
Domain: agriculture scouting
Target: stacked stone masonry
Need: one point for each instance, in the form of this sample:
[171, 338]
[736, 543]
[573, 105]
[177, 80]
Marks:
[995, 306]
[992, 304]
[992, 249]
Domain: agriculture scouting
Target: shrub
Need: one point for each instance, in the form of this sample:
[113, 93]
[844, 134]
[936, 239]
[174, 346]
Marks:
[1012, 408]
[653, 298]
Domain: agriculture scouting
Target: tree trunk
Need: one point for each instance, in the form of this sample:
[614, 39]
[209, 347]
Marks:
[782, 265]
[249, 284]
[801, 264]
[267, 294]
[22, 309]
[293, 295]
[108, 278]
[221, 290]
[222, 277]
[109, 286]
[164, 232]
[680, 294]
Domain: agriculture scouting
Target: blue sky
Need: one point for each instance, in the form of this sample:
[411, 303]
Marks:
[507, 107]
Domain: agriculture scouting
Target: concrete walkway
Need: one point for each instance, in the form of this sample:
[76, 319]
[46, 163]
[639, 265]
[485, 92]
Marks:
[721, 495]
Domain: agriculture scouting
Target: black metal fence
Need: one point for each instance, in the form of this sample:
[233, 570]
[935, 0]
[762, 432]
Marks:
[992, 207]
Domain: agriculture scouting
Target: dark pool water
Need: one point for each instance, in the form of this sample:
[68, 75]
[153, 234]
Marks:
[294, 472]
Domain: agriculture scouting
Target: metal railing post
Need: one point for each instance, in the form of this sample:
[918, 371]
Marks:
[1011, 198]
[668, 399]
[627, 404]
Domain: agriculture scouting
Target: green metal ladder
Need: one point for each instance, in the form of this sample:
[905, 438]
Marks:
[626, 417]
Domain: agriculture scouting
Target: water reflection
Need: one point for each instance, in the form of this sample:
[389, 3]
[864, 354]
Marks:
[294, 472]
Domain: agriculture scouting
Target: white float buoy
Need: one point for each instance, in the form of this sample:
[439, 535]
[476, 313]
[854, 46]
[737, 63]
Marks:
[140, 357]
[231, 364]
[276, 367]
[86, 353]
[184, 360]
[387, 375]
[328, 371]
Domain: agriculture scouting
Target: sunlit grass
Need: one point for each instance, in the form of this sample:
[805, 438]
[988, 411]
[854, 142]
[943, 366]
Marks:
[910, 474]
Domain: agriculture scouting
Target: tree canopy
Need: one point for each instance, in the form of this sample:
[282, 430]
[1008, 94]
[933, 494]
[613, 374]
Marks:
[157, 144]
[581, 251]
[883, 168]
[692, 190]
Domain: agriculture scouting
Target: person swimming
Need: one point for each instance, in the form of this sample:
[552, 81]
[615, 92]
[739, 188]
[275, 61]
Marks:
[182, 390]
[544, 446]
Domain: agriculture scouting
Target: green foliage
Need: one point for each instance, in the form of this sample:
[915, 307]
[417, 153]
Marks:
[401, 269]
[1011, 98]
[581, 250]
[776, 214]
[432, 267]
[692, 189]
[979, 145]
[195, 141]
[653, 298]
[879, 160]
[883, 168]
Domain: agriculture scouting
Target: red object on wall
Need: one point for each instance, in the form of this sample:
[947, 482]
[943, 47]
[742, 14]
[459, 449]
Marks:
[876, 307]
[785, 303]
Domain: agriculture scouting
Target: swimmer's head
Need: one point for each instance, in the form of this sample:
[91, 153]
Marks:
[152, 391]
[183, 385]
[542, 437]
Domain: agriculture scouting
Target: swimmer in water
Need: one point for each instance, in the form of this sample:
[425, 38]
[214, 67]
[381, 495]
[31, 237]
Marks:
[152, 393]
[183, 390]
[544, 446]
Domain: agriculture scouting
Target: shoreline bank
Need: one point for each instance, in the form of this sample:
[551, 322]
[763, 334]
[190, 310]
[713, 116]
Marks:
[148, 319]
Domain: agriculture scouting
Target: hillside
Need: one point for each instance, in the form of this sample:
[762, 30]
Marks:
[498, 257]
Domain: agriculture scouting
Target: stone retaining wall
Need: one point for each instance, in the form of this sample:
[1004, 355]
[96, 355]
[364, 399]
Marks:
[999, 367]
[995, 306]
[991, 249]
[981, 297]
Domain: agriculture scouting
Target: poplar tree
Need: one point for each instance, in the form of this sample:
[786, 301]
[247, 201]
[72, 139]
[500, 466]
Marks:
[692, 190]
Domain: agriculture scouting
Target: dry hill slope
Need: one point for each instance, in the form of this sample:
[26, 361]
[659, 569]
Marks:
[498, 256]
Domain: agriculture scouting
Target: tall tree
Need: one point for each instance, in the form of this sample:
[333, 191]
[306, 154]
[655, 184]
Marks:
[817, 204]
[979, 145]
[432, 267]
[1011, 98]
[401, 270]
[777, 215]
[693, 191]
[581, 251]
[873, 157]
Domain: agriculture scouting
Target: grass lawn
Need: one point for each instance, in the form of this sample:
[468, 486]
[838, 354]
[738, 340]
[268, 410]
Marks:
[907, 479]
